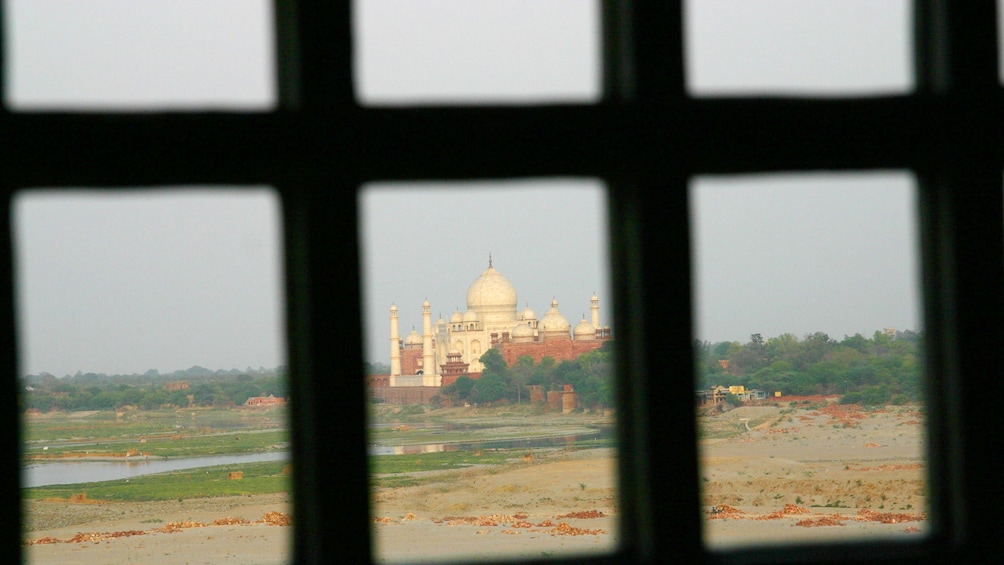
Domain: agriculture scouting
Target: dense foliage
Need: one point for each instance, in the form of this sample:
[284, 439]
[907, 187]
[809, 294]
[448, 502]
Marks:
[591, 376]
[885, 368]
[96, 391]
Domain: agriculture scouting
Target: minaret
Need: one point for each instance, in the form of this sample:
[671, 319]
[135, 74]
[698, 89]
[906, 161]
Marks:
[395, 344]
[596, 311]
[428, 357]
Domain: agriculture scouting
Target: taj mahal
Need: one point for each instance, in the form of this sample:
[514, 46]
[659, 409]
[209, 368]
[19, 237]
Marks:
[448, 349]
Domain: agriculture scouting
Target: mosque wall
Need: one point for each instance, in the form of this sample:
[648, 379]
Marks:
[404, 395]
[559, 350]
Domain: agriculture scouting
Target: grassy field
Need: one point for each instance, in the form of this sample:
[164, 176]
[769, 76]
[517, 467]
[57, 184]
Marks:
[259, 478]
[165, 433]
[108, 424]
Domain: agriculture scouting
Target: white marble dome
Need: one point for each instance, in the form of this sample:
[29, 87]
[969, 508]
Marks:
[413, 338]
[584, 330]
[528, 314]
[492, 292]
[521, 330]
[553, 321]
[456, 317]
[470, 316]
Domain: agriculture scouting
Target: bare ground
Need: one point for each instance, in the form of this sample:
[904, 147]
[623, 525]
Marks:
[816, 473]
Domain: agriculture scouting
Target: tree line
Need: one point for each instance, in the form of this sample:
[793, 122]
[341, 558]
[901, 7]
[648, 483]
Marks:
[91, 391]
[591, 376]
[885, 368]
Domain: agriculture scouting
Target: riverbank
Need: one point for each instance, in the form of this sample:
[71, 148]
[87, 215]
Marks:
[816, 472]
[201, 530]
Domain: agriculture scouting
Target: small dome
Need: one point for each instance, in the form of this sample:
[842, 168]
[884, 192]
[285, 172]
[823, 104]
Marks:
[456, 317]
[553, 321]
[470, 316]
[521, 330]
[584, 330]
[413, 338]
[528, 314]
[393, 309]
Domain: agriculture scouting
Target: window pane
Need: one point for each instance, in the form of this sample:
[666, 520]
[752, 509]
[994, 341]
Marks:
[491, 420]
[152, 369]
[793, 47]
[480, 51]
[809, 343]
[139, 54]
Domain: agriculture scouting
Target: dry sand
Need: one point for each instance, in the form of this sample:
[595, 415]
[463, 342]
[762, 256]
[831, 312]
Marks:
[845, 473]
[817, 473]
[560, 502]
[142, 532]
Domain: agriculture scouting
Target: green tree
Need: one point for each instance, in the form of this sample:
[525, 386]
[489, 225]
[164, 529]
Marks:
[489, 388]
[520, 375]
[495, 380]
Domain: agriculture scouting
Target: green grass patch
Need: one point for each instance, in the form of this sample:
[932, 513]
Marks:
[107, 425]
[183, 446]
[202, 482]
[387, 464]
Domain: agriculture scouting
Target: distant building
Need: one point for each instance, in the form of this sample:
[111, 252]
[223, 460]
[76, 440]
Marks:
[446, 350]
[176, 385]
[269, 400]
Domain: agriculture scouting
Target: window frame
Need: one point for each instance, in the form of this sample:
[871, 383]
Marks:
[646, 139]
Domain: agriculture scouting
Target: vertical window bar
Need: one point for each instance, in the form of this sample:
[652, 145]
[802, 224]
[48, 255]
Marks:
[324, 54]
[670, 445]
[287, 52]
[956, 47]
[10, 440]
[618, 51]
[329, 434]
[658, 52]
[957, 59]
[331, 497]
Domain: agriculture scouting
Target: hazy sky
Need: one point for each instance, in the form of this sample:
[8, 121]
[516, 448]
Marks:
[775, 254]
[136, 282]
[122, 284]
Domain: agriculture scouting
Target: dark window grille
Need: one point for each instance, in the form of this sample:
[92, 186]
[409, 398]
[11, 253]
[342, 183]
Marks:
[646, 139]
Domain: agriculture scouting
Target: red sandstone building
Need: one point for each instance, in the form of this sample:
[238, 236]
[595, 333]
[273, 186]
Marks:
[269, 400]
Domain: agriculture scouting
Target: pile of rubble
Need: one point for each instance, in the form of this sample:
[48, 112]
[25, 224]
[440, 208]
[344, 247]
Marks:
[829, 520]
[277, 519]
[724, 511]
[584, 515]
[788, 510]
[846, 415]
[563, 529]
[271, 518]
[516, 523]
[866, 515]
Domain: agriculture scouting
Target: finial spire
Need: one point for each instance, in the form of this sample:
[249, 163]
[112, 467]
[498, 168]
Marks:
[489, 259]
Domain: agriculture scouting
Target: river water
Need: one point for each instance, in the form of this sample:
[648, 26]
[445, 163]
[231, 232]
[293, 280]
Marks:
[73, 472]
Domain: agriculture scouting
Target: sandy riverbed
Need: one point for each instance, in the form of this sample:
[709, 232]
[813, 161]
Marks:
[814, 473]
[159, 532]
